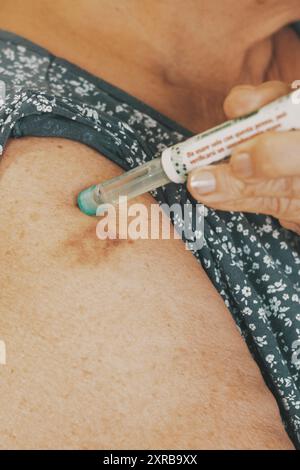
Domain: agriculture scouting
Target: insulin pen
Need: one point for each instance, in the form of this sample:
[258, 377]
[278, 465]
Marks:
[177, 161]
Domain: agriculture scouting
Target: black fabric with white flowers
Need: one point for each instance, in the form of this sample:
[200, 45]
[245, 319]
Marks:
[252, 261]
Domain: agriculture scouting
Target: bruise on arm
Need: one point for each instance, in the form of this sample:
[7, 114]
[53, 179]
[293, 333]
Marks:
[83, 248]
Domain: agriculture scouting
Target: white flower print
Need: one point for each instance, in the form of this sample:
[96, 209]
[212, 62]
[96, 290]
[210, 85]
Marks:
[267, 228]
[270, 358]
[247, 311]
[267, 260]
[246, 291]
[261, 340]
[288, 269]
[246, 249]
[275, 304]
[262, 314]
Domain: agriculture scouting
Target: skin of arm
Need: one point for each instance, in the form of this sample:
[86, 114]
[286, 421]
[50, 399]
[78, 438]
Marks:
[111, 345]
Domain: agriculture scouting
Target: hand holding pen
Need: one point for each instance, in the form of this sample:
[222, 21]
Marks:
[263, 174]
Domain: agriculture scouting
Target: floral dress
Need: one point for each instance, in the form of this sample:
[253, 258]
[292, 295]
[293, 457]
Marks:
[252, 261]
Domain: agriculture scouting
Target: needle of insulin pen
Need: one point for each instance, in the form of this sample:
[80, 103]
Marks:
[144, 178]
[174, 163]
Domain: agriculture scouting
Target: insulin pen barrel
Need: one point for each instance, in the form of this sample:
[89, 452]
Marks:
[140, 180]
[201, 150]
[217, 143]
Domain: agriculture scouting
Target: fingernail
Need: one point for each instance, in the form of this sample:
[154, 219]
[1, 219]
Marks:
[203, 182]
[242, 165]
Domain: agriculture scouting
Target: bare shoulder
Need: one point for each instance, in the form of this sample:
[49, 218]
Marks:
[122, 345]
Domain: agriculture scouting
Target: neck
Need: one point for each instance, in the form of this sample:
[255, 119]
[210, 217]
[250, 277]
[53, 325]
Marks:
[176, 48]
[167, 35]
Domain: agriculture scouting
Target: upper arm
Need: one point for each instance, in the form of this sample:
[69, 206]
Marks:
[112, 345]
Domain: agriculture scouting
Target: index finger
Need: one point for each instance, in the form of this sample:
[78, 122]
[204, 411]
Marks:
[246, 98]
